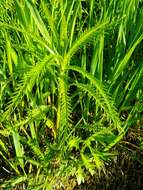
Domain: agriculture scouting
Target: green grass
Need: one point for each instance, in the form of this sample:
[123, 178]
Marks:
[71, 86]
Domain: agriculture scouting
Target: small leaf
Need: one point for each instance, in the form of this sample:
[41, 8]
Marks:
[87, 164]
[98, 161]
[50, 124]
[3, 146]
[80, 176]
[74, 142]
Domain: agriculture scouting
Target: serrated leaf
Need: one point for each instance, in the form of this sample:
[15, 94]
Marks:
[74, 142]
[3, 146]
[98, 161]
[80, 176]
[88, 164]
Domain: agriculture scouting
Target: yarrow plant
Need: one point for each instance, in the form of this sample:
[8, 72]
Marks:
[70, 88]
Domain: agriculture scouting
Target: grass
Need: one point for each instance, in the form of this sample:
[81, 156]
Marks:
[71, 87]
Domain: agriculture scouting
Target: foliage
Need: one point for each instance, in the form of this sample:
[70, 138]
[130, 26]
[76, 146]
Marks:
[71, 86]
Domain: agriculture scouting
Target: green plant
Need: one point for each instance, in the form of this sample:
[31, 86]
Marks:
[70, 71]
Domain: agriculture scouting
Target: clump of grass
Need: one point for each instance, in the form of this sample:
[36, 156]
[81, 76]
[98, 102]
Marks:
[71, 87]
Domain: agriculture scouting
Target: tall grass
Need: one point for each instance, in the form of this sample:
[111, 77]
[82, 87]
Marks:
[71, 85]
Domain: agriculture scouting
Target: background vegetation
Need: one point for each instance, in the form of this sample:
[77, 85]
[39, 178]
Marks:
[71, 100]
